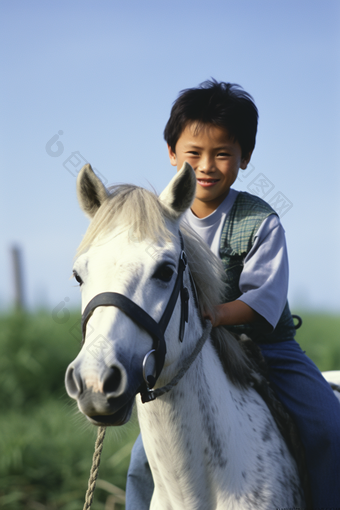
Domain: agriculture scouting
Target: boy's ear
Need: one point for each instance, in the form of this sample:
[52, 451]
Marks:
[245, 160]
[172, 156]
[91, 191]
[180, 192]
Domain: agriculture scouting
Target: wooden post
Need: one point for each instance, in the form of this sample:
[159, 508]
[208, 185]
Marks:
[16, 255]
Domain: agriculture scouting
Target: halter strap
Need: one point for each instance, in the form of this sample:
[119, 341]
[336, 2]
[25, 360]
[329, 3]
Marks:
[135, 312]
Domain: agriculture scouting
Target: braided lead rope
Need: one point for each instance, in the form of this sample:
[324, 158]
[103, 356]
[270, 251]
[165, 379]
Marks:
[187, 364]
[94, 468]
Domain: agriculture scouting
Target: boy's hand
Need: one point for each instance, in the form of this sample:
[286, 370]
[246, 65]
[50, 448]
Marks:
[232, 314]
[213, 317]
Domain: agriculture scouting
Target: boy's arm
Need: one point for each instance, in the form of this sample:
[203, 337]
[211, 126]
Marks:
[263, 282]
[234, 313]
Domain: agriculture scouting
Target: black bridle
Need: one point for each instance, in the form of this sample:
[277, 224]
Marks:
[143, 319]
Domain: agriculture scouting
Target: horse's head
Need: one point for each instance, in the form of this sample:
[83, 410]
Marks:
[131, 249]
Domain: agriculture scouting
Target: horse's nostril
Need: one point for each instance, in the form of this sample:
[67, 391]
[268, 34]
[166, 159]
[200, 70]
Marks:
[73, 383]
[112, 380]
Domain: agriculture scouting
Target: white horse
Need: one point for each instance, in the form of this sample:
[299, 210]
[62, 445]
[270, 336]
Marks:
[210, 441]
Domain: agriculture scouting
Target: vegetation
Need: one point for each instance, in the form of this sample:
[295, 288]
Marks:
[46, 445]
[319, 336]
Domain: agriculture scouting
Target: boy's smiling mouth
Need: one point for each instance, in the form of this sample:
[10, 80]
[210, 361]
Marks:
[206, 183]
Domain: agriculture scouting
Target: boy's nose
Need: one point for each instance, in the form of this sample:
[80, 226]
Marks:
[206, 164]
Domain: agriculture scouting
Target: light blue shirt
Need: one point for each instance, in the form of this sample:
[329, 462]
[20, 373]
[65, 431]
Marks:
[264, 278]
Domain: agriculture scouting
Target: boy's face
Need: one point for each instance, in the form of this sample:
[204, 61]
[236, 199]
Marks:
[215, 158]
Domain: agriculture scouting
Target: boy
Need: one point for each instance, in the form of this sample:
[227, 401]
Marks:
[213, 127]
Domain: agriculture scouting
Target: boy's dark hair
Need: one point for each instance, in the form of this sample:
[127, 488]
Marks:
[224, 105]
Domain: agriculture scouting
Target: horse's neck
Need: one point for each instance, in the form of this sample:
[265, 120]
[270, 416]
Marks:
[187, 433]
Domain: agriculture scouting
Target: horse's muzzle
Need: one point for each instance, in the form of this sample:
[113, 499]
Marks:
[110, 403]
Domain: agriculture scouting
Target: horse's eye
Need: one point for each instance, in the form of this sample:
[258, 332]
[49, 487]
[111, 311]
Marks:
[164, 273]
[77, 277]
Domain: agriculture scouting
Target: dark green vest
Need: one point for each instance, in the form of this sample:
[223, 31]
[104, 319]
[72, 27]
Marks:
[238, 235]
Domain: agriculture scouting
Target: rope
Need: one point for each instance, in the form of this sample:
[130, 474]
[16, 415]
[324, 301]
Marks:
[94, 468]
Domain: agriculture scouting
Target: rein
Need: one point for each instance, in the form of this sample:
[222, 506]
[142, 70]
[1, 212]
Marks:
[94, 468]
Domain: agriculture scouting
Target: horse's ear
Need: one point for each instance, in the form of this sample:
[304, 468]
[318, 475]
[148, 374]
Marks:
[91, 191]
[180, 192]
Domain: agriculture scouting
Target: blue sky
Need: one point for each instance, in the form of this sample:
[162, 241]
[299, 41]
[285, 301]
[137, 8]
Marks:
[106, 73]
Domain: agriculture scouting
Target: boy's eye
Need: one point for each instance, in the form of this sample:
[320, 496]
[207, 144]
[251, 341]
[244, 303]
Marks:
[193, 153]
[223, 154]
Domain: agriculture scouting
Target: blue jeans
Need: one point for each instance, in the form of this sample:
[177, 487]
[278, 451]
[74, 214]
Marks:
[310, 401]
[139, 483]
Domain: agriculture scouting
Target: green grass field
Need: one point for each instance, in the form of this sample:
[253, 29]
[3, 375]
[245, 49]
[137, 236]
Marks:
[319, 336]
[46, 445]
